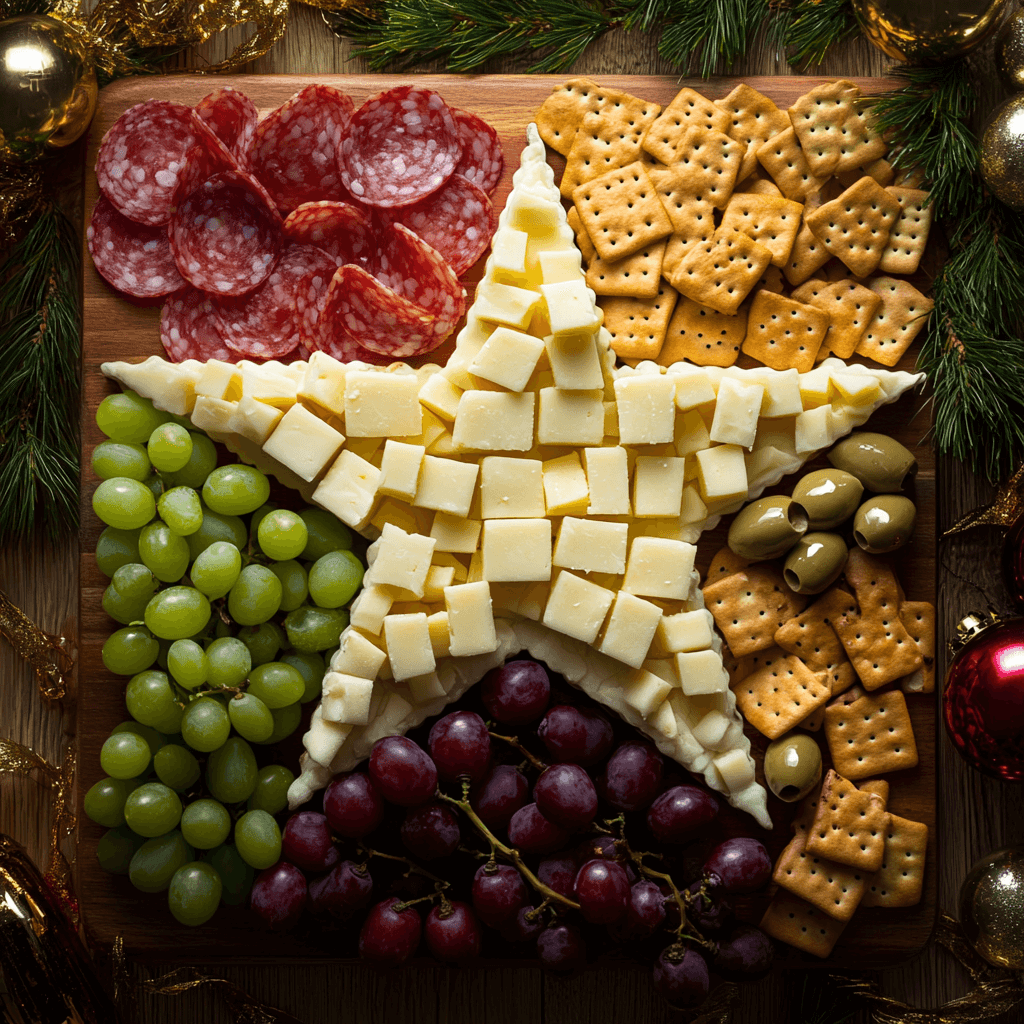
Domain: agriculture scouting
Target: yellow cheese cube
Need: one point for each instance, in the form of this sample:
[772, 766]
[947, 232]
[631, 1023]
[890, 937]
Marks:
[812, 429]
[560, 265]
[630, 629]
[691, 433]
[507, 358]
[781, 390]
[382, 404]
[736, 768]
[440, 638]
[516, 550]
[346, 699]
[577, 607]
[476, 567]
[570, 308]
[570, 417]
[392, 512]
[644, 692]
[574, 362]
[701, 672]
[608, 481]
[685, 631]
[658, 486]
[589, 545]
[711, 729]
[357, 656]
[470, 622]
[663, 720]
[408, 640]
[565, 486]
[736, 412]
[511, 488]
[219, 380]
[426, 688]
[505, 303]
[400, 469]
[324, 384]
[446, 485]
[349, 488]
[304, 443]
[647, 408]
[858, 389]
[253, 420]
[815, 387]
[494, 421]
[692, 509]
[265, 385]
[722, 473]
[659, 568]
[693, 387]
[370, 606]
[402, 560]
[508, 251]
[440, 396]
[455, 533]
[438, 577]
[213, 415]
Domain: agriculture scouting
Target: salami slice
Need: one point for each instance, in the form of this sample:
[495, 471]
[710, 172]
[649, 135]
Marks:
[340, 229]
[134, 258]
[332, 335]
[457, 220]
[294, 150]
[482, 156]
[232, 117]
[401, 146]
[226, 235]
[188, 329]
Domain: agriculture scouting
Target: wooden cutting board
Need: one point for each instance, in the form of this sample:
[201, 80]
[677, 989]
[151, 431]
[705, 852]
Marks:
[116, 328]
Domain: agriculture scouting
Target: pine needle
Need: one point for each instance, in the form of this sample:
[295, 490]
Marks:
[805, 29]
[700, 33]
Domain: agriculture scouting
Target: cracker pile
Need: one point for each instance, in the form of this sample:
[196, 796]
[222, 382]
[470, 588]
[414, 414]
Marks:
[712, 228]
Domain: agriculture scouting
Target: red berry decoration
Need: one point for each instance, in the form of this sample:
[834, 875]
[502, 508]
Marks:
[517, 692]
[452, 932]
[279, 896]
[389, 936]
[402, 771]
[602, 890]
[353, 805]
[460, 746]
[565, 796]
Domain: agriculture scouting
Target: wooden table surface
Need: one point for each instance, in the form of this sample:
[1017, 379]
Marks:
[975, 817]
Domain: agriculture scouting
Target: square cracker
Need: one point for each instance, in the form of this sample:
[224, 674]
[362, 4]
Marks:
[751, 663]
[784, 334]
[583, 242]
[834, 889]
[637, 276]
[855, 226]
[806, 811]
[688, 110]
[814, 721]
[761, 187]
[721, 271]
[919, 619]
[710, 161]
[807, 255]
[850, 307]
[909, 234]
[774, 698]
[899, 882]
[850, 824]
[881, 170]
[562, 112]
[774, 222]
[692, 215]
[782, 157]
[810, 637]
[724, 563]
[753, 119]
[702, 335]
[871, 736]
[800, 924]
[901, 316]
[637, 326]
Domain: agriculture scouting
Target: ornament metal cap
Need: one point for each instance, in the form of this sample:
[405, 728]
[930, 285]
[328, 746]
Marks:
[971, 625]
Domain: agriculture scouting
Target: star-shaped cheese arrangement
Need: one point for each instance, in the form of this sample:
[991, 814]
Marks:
[527, 495]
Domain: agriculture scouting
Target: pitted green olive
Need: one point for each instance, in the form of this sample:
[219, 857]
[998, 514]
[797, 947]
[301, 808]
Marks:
[815, 562]
[767, 528]
[830, 497]
[879, 462]
[884, 523]
[792, 766]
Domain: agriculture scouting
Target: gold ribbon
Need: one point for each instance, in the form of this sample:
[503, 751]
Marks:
[1004, 510]
[718, 1007]
[50, 656]
[244, 1008]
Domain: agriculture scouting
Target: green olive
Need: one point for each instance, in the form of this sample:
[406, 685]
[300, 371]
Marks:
[829, 496]
[879, 462]
[884, 523]
[792, 766]
[767, 528]
[815, 563]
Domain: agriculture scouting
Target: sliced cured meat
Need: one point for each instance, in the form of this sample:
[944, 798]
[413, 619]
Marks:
[294, 150]
[457, 220]
[232, 117]
[482, 156]
[134, 258]
[226, 235]
[332, 334]
[188, 329]
[343, 230]
[401, 146]
[267, 323]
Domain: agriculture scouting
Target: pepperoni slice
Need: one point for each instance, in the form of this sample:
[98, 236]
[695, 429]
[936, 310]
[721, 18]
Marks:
[294, 151]
[343, 230]
[226, 235]
[331, 335]
[401, 146]
[134, 258]
[232, 117]
[482, 156]
[188, 329]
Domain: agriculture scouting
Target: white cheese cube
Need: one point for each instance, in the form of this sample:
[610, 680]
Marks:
[658, 486]
[402, 561]
[349, 488]
[446, 485]
[438, 577]
[722, 473]
[736, 769]
[531, 212]
[357, 656]
[685, 631]
[577, 607]
[494, 421]
[265, 385]
[400, 469]
[504, 303]
[440, 396]
[382, 404]
[508, 251]
[507, 358]
[570, 417]
[560, 265]
[816, 387]
[516, 550]
[565, 486]
[574, 362]
[693, 388]
[426, 688]
[346, 698]
[701, 672]
[408, 640]
[470, 621]
[324, 384]
[589, 545]
[219, 380]
[393, 512]
[659, 568]
[692, 509]
[442, 445]
[858, 389]
[781, 390]
[644, 692]
[323, 739]
[611, 420]
[455, 533]
[630, 629]
[647, 408]
[663, 721]
[370, 606]
[812, 429]
[304, 443]
[440, 638]
[736, 412]
[608, 481]
[767, 465]
[710, 730]
[691, 433]
[511, 488]
[570, 308]
[213, 416]
[254, 420]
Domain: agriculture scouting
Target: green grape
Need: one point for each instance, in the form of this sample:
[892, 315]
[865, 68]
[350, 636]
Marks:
[271, 792]
[263, 641]
[129, 650]
[221, 628]
[236, 490]
[176, 767]
[151, 701]
[286, 721]
[122, 608]
[257, 517]
[161, 658]
[326, 534]
[250, 717]
[217, 527]
[186, 662]
[115, 548]
[111, 458]
[216, 569]
[154, 740]
[164, 552]
[315, 629]
[201, 463]
[182, 511]
[194, 893]
[156, 860]
[128, 417]
[276, 684]
[231, 771]
[177, 613]
[104, 802]
[229, 662]
[124, 503]
[170, 447]
[155, 484]
[205, 824]
[294, 583]
[255, 597]
[258, 839]
[311, 667]
[334, 578]
[236, 876]
[152, 809]
[205, 725]
[116, 848]
[282, 534]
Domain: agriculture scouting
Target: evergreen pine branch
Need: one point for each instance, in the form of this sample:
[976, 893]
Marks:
[805, 29]
[700, 33]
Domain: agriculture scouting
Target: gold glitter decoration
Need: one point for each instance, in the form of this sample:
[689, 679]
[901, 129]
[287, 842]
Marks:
[1008, 505]
[50, 656]
[992, 908]
[1009, 55]
[243, 1007]
[1002, 153]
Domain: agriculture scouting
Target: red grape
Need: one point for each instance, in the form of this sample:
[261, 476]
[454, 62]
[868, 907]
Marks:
[341, 893]
[278, 896]
[560, 948]
[402, 771]
[460, 746]
[566, 796]
[679, 812]
[632, 776]
[498, 893]
[517, 692]
[558, 873]
[681, 981]
[576, 735]
[430, 831]
[532, 833]
[521, 928]
[306, 842]
[739, 865]
[353, 805]
[388, 936]
[498, 795]
[602, 889]
[645, 913]
[599, 847]
[711, 915]
[747, 952]
[454, 938]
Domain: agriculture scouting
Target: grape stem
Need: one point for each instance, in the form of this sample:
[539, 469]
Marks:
[413, 867]
[513, 741]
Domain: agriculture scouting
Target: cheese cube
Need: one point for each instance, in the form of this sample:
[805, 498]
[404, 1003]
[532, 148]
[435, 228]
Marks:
[455, 533]
[574, 362]
[577, 607]
[693, 388]
[494, 421]
[659, 568]
[394, 512]
[591, 546]
[254, 420]
[560, 265]
[382, 404]
[647, 408]
[658, 486]
[768, 465]
[438, 577]
[611, 420]
[367, 611]
[630, 629]
[722, 473]
[781, 390]
[858, 389]
[644, 692]
[570, 417]
[402, 560]
[736, 412]
[324, 384]
[710, 730]
[440, 396]
[511, 488]
[400, 469]
[565, 486]
[812, 429]
[691, 433]
[408, 640]
[442, 445]
[530, 212]
[508, 251]
[346, 699]
[324, 739]
[685, 631]
[426, 688]
[816, 387]
[608, 481]
[440, 638]
[219, 380]
[446, 485]
[476, 567]
[504, 303]
[570, 308]
[303, 442]
[507, 358]
[265, 385]
[736, 769]
[701, 672]
[470, 622]
[516, 550]
[663, 721]
[692, 509]
[349, 488]
[213, 415]
[357, 656]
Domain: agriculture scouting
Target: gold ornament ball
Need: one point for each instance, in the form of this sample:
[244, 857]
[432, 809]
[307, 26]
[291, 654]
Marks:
[992, 908]
[1002, 153]
[923, 30]
[1010, 52]
[47, 86]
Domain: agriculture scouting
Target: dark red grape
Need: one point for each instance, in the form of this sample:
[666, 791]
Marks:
[278, 896]
[341, 893]
[430, 831]
[306, 842]
[499, 794]
[576, 735]
[530, 832]
[498, 894]
[747, 952]
[517, 692]
[712, 915]
[558, 873]
[353, 805]
[560, 948]
[739, 865]
[522, 928]
[402, 771]
[454, 938]
[600, 847]
[388, 936]
[645, 913]
[566, 796]
[632, 776]
[460, 746]
[602, 890]
[679, 812]
[683, 981]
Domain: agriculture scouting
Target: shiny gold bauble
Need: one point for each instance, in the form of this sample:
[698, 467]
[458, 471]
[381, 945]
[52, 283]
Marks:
[1001, 159]
[1010, 52]
[992, 908]
[923, 30]
[47, 86]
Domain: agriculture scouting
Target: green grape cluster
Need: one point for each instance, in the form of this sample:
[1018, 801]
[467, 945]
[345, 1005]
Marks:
[225, 604]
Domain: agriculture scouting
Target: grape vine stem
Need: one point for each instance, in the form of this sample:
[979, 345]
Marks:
[513, 741]
[414, 868]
